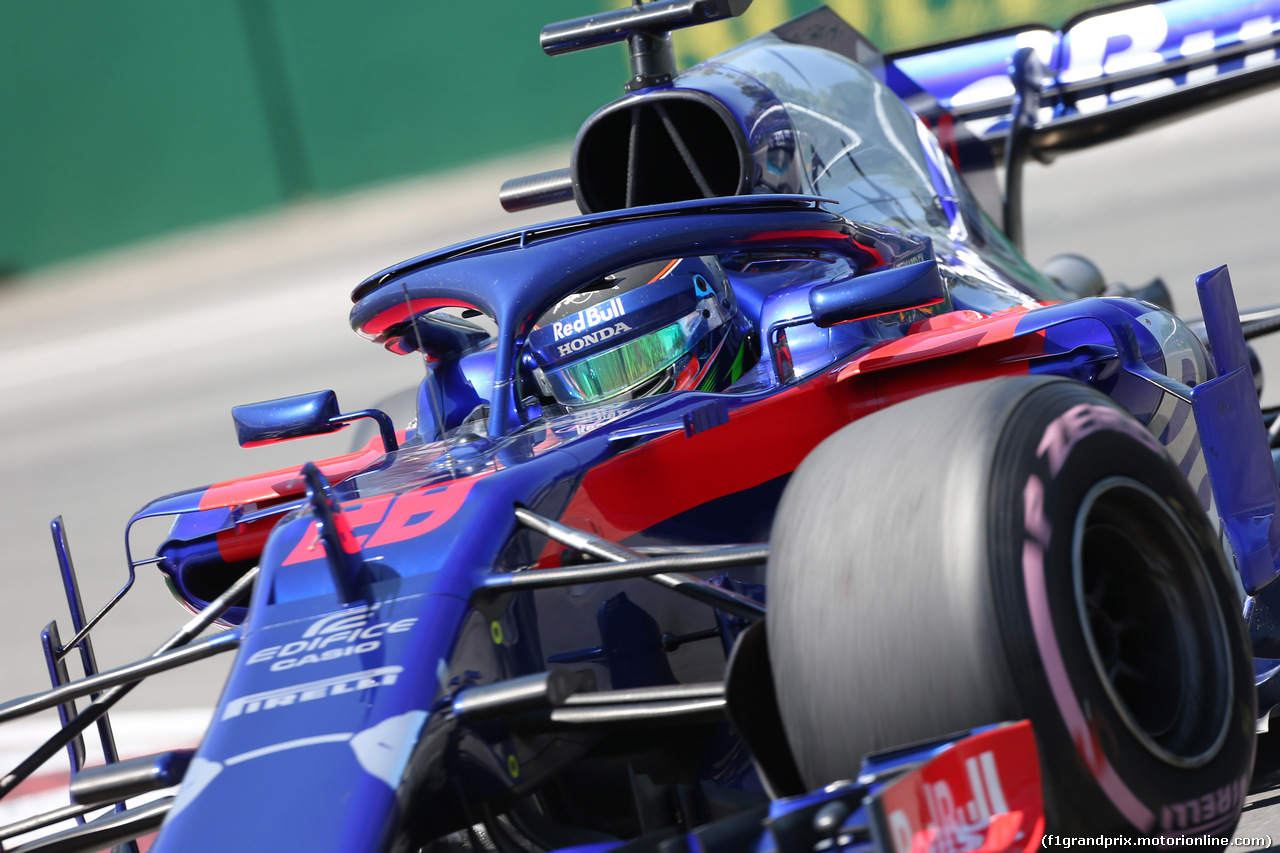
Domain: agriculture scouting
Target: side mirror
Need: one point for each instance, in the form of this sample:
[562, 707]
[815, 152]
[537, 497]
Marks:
[888, 291]
[300, 416]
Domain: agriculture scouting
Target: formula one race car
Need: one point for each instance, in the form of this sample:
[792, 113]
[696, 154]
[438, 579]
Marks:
[775, 502]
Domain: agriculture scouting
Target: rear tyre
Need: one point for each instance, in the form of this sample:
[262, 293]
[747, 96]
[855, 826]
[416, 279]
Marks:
[1017, 548]
[1076, 273]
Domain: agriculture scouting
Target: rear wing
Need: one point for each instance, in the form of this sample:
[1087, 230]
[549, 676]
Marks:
[994, 99]
[1108, 73]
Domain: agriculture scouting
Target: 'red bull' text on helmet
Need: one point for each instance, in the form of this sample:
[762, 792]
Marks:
[662, 326]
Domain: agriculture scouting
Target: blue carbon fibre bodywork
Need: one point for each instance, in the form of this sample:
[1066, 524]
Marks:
[1228, 415]
[303, 694]
[371, 702]
[389, 590]
[296, 703]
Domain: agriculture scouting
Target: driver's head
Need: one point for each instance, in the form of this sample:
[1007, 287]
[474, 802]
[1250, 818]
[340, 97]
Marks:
[646, 330]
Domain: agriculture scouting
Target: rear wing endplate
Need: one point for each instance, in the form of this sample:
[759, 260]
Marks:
[1109, 72]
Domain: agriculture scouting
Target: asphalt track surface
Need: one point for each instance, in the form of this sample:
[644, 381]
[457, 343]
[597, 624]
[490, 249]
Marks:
[117, 373]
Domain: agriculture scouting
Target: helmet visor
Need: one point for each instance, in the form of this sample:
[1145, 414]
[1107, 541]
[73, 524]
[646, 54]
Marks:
[618, 369]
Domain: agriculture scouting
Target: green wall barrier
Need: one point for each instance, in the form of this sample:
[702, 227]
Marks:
[132, 118]
[122, 120]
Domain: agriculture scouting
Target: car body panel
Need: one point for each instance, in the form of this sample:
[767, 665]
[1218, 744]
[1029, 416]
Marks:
[344, 723]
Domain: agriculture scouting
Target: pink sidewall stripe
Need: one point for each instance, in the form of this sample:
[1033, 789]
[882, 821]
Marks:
[1068, 705]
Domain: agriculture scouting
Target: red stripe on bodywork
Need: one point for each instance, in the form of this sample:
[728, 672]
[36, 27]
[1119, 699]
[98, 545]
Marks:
[386, 519]
[244, 541]
[791, 235]
[768, 439]
[287, 482]
[939, 342]
[675, 472]
[1006, 358]
[400, 312]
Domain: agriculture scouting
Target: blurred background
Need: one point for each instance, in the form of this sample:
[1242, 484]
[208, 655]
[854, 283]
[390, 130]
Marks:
[189, 192]
[133, 118]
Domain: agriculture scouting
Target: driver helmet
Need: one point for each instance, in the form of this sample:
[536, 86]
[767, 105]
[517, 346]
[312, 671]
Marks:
[658, 327]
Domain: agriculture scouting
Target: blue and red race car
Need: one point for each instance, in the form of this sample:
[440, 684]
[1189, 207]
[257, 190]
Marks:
[775, 502]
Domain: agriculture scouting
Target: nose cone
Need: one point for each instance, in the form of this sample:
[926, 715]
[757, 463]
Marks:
[323, 725]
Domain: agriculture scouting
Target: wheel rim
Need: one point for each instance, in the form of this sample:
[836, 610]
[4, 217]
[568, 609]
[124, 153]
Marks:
[1156, 637]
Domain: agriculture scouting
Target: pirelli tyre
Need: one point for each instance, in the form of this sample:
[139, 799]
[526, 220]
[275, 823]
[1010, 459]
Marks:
[1019, 548]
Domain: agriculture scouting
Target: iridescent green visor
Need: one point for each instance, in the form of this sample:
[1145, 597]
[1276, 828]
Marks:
[622, 368]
